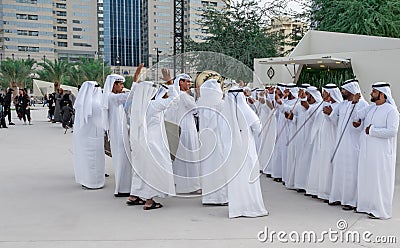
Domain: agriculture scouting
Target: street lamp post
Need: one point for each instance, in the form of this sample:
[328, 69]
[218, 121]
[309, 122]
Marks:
[158, 51]
[118, 63]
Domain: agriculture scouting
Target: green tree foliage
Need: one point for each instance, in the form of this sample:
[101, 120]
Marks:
[16, 73]
[366, 17]
[89, 70]
[320, 77]
[238, 31]
[57, 71]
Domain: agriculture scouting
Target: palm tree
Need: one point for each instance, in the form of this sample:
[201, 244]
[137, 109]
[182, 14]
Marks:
[92, 70]
[14, 73]
[57, 71]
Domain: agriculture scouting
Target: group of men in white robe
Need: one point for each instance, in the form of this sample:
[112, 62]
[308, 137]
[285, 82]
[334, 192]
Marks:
[134, 121]
[342, 151]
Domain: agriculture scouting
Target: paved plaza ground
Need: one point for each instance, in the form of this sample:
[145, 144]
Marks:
[42, 206]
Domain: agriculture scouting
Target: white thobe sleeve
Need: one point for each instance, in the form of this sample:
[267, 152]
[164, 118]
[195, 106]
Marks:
[119, 98]
[256, 128]
[163, 104]
[188, 102]
[392, 126]
[334, 116]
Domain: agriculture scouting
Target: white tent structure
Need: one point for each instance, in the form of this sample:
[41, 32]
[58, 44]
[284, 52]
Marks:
[41, 88]
[371, 58]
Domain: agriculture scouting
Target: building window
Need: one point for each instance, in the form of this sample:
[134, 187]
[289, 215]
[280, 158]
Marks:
[33, 17]
[33, 33]
[22, 48]
[27, 1]
[62, 21]
[62, 44]
[62, 29]
[61, 5]
[22, 32]
[77, 29]
[82, 44]
[76, 21]
[22, 16]
[77, 37]
[61, 13]
[62, 36]
[33, 49]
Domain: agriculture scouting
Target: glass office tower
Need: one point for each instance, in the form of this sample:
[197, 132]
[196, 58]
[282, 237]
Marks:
[122, 32]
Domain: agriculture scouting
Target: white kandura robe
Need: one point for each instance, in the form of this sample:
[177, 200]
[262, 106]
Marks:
[158, 178]
[119, 142]
[290, 127]
[303, 158]
[245, 196]
[377, 160]
[266, 137]
[345, 162]
[213, 152]
[316, 133]
[186, 165]
[294, 147]
[244, 190]
[89, 160]
[322, 153]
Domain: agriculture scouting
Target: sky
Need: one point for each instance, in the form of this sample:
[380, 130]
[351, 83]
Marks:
[293, 5]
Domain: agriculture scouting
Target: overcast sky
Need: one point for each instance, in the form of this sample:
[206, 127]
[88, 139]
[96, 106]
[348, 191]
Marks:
[293, 5]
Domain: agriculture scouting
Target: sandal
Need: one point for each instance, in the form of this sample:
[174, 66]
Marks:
[154, 205]
[137, 201]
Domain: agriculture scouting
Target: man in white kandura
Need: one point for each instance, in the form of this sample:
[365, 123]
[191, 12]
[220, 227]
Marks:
[325, 142]
[151, 161]
[114, 120]
[186, 165]
[309, 172]
[279, 154]
[212, 139]
[266, 138]
[377, 160]
[89, 165]
[290, 109]
[244, 190]
[345, 160]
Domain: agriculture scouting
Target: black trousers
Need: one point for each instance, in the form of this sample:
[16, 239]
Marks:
[7, 112]
[25, 113]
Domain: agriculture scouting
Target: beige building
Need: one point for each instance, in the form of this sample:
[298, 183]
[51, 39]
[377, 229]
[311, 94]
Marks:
[26, 29]
[48, 29]
[75, 28]
[197, 32]
[161, 22]
[289, 29]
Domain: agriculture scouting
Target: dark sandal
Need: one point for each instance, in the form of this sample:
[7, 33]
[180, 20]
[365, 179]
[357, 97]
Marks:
[154, 205]
[137, 201]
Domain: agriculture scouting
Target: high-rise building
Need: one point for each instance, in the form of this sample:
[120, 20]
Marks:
[142, 31]
[75, 28]
[288, 28]
[48, 29]
[26, 29]
[122, 32]
[194, 10]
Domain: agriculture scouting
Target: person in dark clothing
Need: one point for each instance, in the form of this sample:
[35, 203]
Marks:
[67, 113]
[7, 105]
[2, 119]
[45, 99]
[24, 106]
[51, 104]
